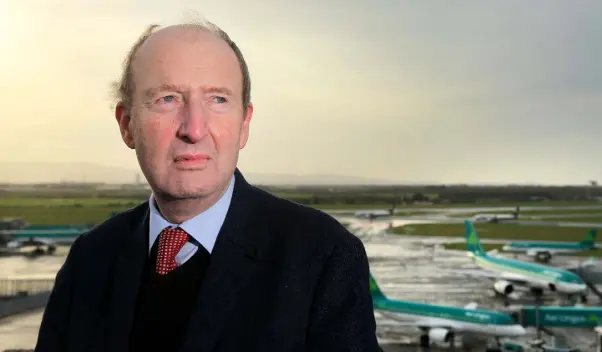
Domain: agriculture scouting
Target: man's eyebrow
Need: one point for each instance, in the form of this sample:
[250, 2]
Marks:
[151, 92]
[218, 90]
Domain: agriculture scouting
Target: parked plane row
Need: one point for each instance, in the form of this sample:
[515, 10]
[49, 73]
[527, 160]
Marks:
[442, 324]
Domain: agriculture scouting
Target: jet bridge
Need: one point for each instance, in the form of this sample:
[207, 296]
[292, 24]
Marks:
[557, 316]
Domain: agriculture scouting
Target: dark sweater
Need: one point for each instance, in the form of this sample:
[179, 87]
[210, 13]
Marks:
[165, 303]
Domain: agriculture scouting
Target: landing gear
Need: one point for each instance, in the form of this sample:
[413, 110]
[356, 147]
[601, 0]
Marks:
[498, 347]
[425, 341]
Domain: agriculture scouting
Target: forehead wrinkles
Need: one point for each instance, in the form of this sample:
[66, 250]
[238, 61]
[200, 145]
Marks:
[173, 53]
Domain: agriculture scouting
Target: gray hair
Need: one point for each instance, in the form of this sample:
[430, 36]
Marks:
[124, 88]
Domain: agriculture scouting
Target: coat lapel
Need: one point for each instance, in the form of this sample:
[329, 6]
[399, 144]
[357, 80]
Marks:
[233, 262]
[127, 270]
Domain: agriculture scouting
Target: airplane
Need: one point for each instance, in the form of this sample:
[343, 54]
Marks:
[373, 214]
[542, 251]
[440, 324]
[509, 272]
[15, 240]
[377, 213]
[495, 218]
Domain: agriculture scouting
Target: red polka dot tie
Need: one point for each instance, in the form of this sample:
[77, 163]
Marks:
[170, 243]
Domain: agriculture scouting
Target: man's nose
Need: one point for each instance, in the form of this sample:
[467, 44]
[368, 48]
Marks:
[193, 127]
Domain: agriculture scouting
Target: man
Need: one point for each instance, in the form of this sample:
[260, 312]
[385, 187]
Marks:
[209, 263]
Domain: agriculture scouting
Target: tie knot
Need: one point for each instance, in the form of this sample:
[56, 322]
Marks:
[171, 242]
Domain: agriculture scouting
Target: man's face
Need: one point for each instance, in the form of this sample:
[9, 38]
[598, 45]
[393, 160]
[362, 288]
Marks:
[186, 122]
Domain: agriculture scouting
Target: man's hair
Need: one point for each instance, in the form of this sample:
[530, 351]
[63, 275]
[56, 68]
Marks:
[124, 88]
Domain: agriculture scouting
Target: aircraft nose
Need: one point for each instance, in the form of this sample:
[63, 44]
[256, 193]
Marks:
[518, 330]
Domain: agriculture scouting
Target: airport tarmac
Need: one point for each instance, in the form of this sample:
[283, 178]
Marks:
[404, 266]
[471, 210]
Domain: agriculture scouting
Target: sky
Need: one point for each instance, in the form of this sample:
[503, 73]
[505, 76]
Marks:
[506, 91]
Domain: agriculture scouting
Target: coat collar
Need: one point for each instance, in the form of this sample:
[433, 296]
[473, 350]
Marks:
[237, 251]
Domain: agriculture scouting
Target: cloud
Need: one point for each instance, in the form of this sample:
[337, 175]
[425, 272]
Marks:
[462, 90]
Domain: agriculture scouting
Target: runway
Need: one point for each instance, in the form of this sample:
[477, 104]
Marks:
[406, 267]
[21, 331]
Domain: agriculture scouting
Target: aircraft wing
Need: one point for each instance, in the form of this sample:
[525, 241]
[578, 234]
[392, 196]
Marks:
[485, 274]
[580, 266]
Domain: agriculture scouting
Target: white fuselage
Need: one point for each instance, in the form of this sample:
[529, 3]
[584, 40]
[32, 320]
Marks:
[535, 250]
[493, 330]
[541, 280]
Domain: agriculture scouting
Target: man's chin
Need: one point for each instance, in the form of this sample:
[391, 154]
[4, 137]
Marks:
[192, 193]
[189, 191]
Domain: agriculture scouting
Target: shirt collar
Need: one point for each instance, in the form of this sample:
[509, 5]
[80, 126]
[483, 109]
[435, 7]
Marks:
[204, 227]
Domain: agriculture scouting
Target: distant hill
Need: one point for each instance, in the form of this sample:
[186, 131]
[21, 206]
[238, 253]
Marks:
[44, 172]
[289, 179]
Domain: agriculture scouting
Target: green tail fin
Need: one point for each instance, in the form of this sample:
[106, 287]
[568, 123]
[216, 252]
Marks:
[375, 290]
[473, 244]
[590, 238]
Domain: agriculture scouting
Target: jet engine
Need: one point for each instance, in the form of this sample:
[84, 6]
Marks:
[503, 287]
[439, 335]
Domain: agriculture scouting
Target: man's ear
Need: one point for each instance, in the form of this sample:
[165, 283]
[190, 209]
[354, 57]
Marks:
[124, 119]
[244, 130]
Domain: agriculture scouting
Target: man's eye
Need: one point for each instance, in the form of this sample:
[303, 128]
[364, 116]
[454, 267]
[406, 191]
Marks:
[219, 100]
[167, 99]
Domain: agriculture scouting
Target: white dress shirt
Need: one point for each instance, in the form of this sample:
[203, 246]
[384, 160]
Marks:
[204, 227]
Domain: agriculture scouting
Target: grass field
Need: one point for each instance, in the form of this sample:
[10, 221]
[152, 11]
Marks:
[560, 211]
[51, 202]
[502, 231]
[60, 215]
[488, 247]
[61, 211]
[527, 214]
[351, 207]
[592, 219]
